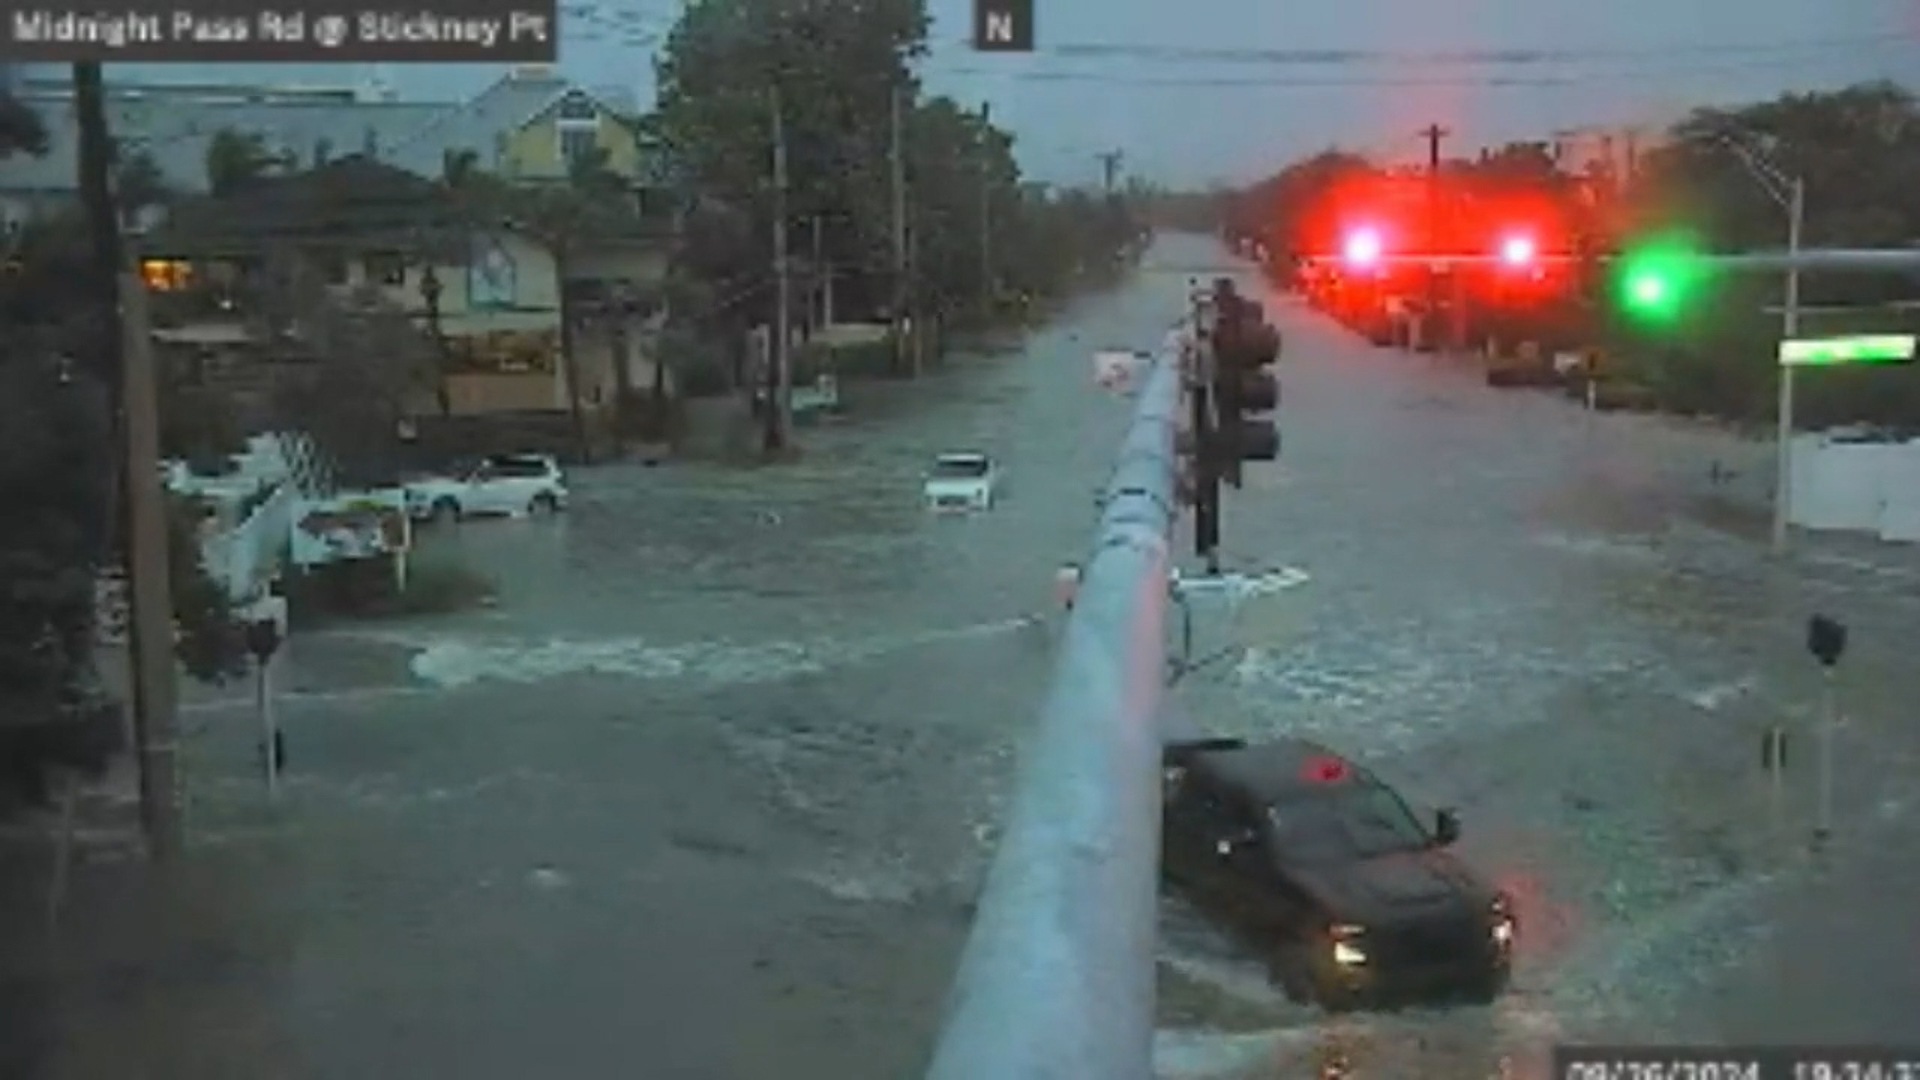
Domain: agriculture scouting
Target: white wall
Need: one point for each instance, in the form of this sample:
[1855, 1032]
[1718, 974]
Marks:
[1857, 487]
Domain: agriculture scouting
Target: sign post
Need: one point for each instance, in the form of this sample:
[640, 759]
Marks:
[263, 640]
[1773, 758]
[1827, 641]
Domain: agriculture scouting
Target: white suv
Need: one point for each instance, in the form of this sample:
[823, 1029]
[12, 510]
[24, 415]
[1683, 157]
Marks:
[504, 484]
[966, 481]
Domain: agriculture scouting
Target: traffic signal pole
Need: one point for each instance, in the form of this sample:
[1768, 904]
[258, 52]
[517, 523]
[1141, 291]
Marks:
[1198, 369]
[1790, 329]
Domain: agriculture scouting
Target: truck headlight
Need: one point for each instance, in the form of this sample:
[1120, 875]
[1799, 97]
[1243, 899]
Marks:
[1347, 949]
[1504, 925]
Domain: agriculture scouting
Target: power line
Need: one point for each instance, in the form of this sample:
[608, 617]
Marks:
[1461, 57]
[1370, 82]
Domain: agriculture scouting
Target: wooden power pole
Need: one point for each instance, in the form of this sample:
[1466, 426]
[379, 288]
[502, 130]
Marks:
[136, 507]
[986, 207]
[779, 408]
[902, 286]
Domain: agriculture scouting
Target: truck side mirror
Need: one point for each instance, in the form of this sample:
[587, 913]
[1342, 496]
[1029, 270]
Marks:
[1826, 639]
[1446, 827]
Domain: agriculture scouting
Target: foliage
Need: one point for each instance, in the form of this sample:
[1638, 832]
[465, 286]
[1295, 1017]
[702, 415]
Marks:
[198, 424]
[1856, 150]
[836, 71]
[138, 184]
[53, 419]
[57, 442]
[21, 131]
[53, 458]
[1275, 208]
[374, 363]
[209, 643]
[236, 158]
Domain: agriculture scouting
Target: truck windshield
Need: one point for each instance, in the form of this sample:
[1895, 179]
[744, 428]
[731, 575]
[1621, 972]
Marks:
[1357, 822]
[959, 468]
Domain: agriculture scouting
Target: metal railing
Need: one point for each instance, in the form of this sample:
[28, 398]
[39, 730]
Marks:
[1057, 978]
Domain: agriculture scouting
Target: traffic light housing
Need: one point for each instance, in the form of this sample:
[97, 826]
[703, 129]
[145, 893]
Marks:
[1245, 389]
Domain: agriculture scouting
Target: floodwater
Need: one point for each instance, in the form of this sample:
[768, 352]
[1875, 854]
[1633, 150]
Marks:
[709, 792]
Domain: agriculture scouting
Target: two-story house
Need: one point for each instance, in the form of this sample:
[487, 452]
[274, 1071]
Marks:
[485, 296]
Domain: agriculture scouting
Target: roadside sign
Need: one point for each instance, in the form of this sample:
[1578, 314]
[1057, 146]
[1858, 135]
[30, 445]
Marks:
[1865, 349]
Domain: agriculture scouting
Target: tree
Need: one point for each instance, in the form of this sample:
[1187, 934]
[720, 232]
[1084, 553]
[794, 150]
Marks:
[836, 68]
[235, 159]
[21, 131]
[372, 362]
[138, 185]
[1275, 211]
[1856, 150]
[53, 442]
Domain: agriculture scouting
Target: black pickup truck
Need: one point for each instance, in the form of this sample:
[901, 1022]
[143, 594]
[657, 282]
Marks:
[1351, 898]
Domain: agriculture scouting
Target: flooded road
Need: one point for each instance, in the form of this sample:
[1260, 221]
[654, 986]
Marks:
[708, 792]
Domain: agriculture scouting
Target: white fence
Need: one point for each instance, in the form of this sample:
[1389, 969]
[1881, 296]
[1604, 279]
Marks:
[245, 557]
[1853, 486]
[242, 554]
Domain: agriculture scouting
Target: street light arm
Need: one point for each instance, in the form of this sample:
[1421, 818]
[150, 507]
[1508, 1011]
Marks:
[1765, 172]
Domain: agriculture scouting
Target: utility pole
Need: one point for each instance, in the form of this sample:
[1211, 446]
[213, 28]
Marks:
[986, 207]
[150, 630]
[1789, 328]
[1433, 134]
[95, 183]
[823, 271]
[902, 290]
[779, 374]
[136, 514]
[1110, 169]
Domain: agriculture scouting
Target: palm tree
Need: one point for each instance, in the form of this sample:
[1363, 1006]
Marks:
[235, 159]
[138, 184]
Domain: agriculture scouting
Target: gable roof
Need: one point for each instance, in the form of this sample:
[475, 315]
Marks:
[175, 126]
[477, 125]
[353, 196]
[176, 134]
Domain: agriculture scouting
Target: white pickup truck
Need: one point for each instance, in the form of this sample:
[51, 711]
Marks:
[961, 482]
[504, 484]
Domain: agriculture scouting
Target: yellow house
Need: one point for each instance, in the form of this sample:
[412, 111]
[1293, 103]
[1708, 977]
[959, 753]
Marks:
[486, 302]
[574, 127]
[528, 127]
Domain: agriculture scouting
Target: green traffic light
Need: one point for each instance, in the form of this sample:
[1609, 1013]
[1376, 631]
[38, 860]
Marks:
[1658, 280]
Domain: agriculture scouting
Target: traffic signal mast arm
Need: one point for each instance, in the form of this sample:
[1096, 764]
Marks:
[1857, 260]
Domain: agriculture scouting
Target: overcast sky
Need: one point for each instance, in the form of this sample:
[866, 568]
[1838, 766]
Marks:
[1195, 91]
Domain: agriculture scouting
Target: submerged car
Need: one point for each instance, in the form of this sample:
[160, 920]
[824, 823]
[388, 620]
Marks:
[1352, 899]
[504, 484]
[961, 481]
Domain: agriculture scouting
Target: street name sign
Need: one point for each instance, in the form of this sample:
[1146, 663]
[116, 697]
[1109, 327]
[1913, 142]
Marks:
[1864, 349]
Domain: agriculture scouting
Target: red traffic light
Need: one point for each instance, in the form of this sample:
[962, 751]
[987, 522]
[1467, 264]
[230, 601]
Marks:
[1363, 247]
[1518, 250]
